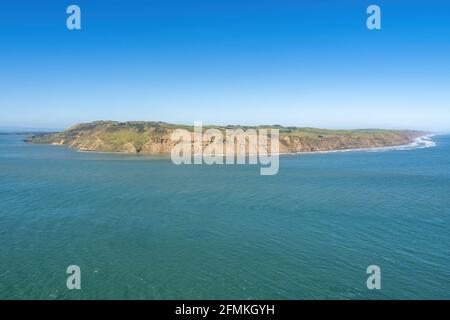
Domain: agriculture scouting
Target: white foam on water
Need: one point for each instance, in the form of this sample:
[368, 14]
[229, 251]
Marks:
[418, 143]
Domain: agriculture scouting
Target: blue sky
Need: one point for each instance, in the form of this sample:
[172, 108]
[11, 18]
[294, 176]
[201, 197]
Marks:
[302, 63]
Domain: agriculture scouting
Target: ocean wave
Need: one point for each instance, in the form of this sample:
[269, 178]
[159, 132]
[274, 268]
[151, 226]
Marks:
[418, 143]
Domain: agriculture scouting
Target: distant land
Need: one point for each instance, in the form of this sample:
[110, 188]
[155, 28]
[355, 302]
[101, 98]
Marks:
[5, 130]
[155, 137]
[31, 132]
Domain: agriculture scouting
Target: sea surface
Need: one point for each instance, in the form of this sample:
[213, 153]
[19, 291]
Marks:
[140, 227]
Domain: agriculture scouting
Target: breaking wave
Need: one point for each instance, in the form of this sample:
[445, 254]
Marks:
[418, 143]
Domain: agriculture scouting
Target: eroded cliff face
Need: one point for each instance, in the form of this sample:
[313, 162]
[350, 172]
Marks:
[155, 137]
[341, 142]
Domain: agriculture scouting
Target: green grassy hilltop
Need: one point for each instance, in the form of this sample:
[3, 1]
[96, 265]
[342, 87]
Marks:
[155, 137]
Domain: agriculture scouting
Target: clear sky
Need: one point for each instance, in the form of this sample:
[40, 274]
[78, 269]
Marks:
[302, 63]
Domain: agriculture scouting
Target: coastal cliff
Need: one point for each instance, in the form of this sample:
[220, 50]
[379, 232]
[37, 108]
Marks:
[155, 137]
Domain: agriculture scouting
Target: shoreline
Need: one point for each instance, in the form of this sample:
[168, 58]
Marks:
[417, 143]
[420, 142]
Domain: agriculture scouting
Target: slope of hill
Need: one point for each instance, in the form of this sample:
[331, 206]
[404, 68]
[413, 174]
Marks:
[155, 137]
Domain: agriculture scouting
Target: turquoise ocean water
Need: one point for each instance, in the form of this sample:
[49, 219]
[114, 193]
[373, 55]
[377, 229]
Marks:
[140, 227]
